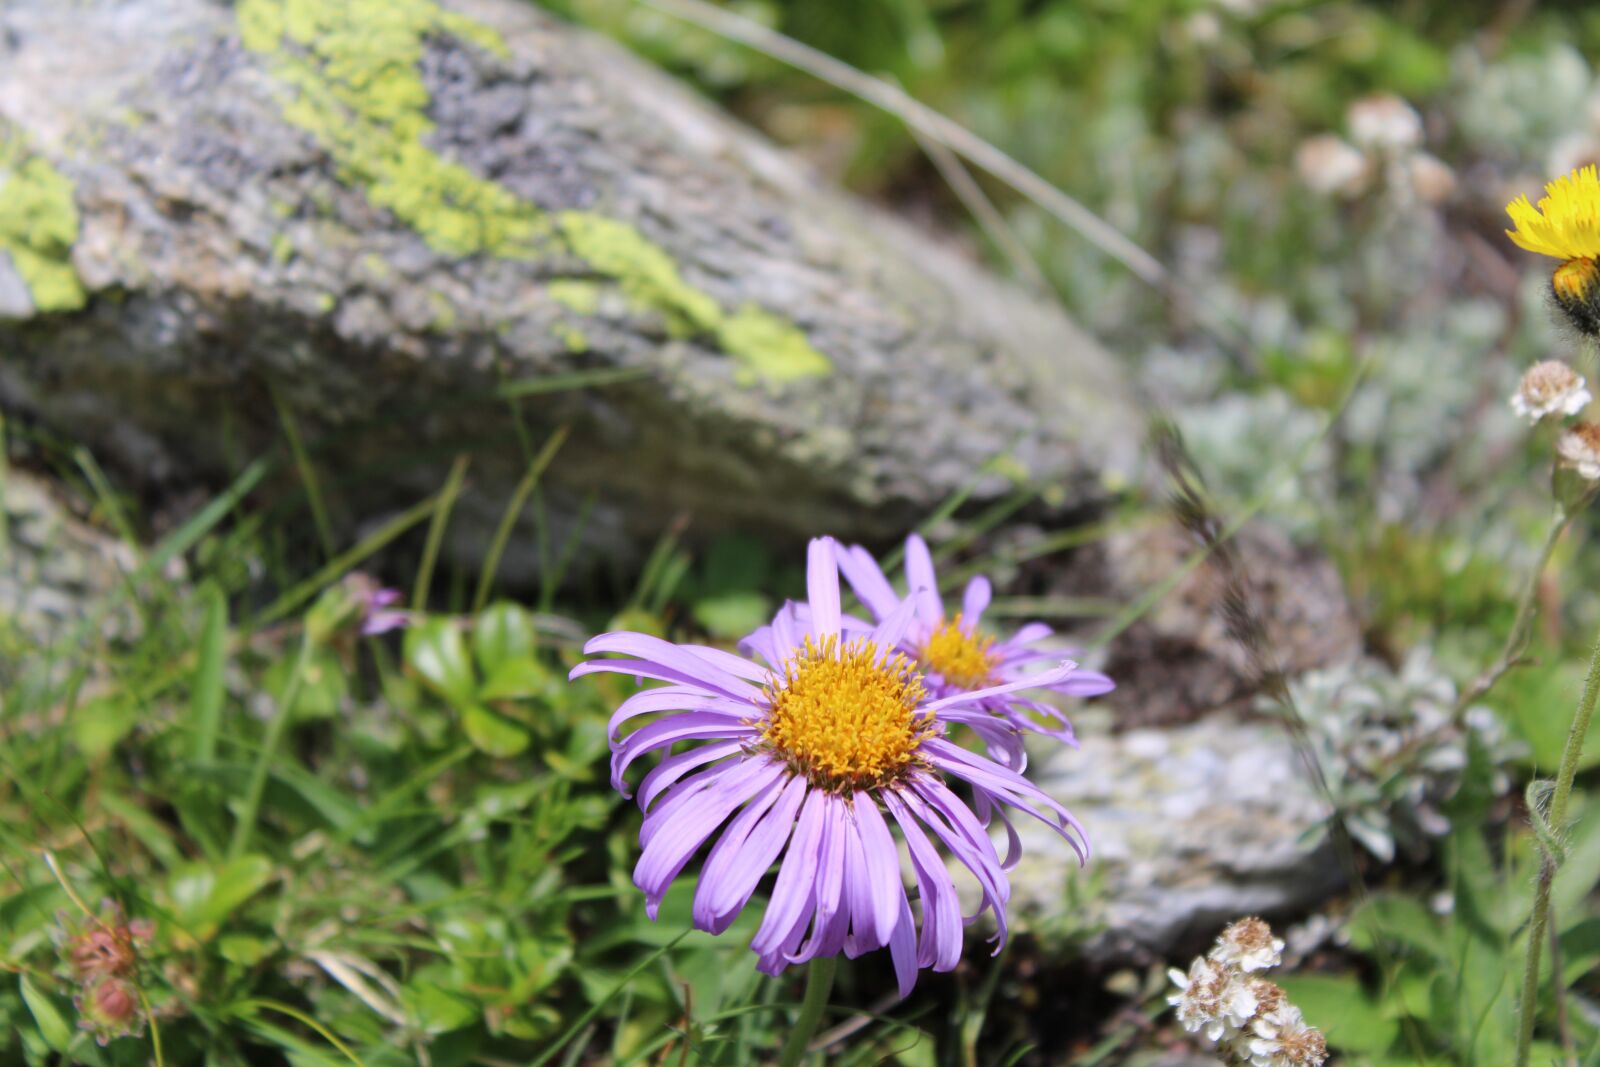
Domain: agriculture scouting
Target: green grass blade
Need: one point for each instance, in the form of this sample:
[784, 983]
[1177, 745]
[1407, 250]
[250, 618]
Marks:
[508, 521]
[594, 1009]
[205, 704]
[308, 473]
[336, 567]
[436, 528]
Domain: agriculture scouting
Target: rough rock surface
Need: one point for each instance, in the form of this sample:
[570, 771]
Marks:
[397, 217]
[1179, 662]
[1192, 827]
[54, 570]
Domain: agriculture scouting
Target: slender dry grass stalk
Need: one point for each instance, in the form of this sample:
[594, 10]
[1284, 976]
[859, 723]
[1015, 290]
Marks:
[1244, 621]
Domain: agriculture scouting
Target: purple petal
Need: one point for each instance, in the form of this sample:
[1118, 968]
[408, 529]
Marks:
[1028, 633]
[903, 944]
[892, 630]
[663, 733]
[1008, 787]
[1041, 680]
[793, 896]
[977, 597]
[786, 633]
[883, 863]
[737, 666]
[867, 579]
[764, 643]
[659, 699]
[924, 583]
[832, 921]
[941, 907]
[743, 854]
[670, 849]
[822, 588]
[675, 767]
[666, 658]
[1000, 735]
[955, 825]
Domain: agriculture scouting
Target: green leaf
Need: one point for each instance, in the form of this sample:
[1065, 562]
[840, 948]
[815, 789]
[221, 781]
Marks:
[492, 734]
[435, 1009]
[1538, 702]
[98, 725]
[503, 632]
[1388, 919]
[205, 702]
[1580, 873]
[732, 615]
[516, 679]
[1580, 949]
[52, 1027]
[242, 949]
[203, 896]
[436, 651]
[323, 686]
[1350, 1018]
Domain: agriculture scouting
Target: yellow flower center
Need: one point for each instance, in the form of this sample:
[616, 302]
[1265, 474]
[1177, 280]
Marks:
[1566, 224]
[966, 661]
[1574, 280]
[845, 715]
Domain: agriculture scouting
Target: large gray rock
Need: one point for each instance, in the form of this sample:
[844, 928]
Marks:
[1192, 827]
[395, 214]
[62, 582]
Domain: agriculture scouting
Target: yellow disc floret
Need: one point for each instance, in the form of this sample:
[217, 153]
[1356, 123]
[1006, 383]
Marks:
[964, 660]
[1566, 224]
[845, 714]
[1574, 281]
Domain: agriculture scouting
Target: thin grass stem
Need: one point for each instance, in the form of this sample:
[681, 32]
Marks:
[508, 520]
[276, 726]
[436, 528]
[1550, 861]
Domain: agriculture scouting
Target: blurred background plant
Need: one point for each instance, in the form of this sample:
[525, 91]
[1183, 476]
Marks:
[438, 873]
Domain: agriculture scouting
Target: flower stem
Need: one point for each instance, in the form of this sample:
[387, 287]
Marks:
[1522, 627]
[269, 749]
[819, 984]
[1549, 861]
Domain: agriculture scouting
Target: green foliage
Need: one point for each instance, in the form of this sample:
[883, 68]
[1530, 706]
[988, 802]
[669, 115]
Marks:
[1448, 987]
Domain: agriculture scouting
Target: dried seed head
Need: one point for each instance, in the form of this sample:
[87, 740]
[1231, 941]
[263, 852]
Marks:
[1248, 945]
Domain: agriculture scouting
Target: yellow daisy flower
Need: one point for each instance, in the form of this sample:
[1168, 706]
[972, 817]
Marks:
[1566, 224]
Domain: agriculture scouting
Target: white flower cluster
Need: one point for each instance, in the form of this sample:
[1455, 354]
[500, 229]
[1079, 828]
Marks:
[1387, 151]
[1550, 388]
[1245, 1014]
[1553, 388]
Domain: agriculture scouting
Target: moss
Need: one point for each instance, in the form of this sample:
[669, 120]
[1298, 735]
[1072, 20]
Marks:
[38, 225]
[353, 68]
[582, 297]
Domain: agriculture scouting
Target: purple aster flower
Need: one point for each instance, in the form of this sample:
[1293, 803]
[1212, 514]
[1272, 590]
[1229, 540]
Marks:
[806, 762]
[957, 657]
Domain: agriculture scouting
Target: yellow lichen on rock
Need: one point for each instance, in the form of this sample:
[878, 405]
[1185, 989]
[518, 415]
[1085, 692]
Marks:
[353, 71]
[38, 225]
